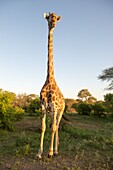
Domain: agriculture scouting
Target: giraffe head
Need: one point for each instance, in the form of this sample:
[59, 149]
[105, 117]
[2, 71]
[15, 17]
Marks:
[52, 19]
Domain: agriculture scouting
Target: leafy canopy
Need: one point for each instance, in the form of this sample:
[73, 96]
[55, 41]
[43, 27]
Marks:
[107, 75]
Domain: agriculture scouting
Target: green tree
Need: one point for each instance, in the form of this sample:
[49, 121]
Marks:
[85, 96]
[108, 98]
[98, 109]
[107, 75]
[91, 99]
[34, 106]
[24, 100]
[83, 108]
[7, 109]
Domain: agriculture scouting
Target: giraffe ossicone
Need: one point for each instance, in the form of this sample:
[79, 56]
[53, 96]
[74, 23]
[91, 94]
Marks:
[51, 98]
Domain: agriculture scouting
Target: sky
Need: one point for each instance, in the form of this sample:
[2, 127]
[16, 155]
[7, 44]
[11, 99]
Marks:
[83, 45]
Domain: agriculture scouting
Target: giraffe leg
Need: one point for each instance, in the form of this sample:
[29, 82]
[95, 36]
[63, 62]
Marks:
[56, 142]
[57, 137]
[42, 133]
[53, 134]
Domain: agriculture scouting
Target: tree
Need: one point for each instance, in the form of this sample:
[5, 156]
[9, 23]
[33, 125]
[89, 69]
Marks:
[98, 109]
[34, 106]
[108, 98]
[85, 96]
[91, 99]
[8, 111]
[83, 108]
[24, 100]
[107, 74]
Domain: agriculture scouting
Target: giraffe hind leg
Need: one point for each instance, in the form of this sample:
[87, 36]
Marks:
[56, 142]
[52, 135]
[57, 136]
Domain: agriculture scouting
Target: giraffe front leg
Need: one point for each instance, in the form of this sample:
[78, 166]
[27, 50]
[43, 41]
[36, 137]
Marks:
[52, 136]
[42, 133]
[57, 136]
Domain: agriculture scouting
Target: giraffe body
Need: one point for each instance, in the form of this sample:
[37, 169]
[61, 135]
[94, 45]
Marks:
[51, 98]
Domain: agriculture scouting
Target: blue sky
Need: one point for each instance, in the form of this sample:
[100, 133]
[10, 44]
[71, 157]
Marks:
[83, 45]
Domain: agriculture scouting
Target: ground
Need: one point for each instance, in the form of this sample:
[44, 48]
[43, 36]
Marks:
[85, 144]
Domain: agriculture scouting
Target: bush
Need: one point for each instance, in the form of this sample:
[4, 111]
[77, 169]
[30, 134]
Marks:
[34, 107]
[83, 108]
[8, 113]
[98, 109]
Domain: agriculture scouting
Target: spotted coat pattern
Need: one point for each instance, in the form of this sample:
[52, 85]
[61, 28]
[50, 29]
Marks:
[51, 98]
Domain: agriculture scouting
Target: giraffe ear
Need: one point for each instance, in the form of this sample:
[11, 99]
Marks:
[58, 18]
[46, 16]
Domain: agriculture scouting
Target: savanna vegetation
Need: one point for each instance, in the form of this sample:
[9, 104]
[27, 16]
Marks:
[86, 136]
[85, 143]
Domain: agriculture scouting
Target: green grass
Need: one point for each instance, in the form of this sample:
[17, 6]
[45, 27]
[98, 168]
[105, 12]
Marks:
[85, 144]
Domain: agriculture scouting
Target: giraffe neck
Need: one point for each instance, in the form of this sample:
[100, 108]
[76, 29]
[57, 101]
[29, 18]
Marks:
[50, 69]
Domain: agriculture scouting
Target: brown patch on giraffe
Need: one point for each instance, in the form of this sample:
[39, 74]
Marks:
[53, 87]
[50, 50]
[50, 41]
[56, 103]
[52, 92]
[53, 98]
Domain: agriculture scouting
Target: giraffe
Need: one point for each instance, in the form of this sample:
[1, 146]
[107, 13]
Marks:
[51, 98]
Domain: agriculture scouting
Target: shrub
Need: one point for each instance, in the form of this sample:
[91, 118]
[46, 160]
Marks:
[34, 107]
[83, 108]
[8, 113]
[98, 109]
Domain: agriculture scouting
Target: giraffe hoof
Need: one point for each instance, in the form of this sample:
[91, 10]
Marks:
[55, 154]
[39, 157]
[50, 156]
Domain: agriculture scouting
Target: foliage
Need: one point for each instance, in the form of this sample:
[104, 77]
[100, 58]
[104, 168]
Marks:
[18, 113]
[91, 99]
[74, 105]
[107, 74]
[34, 106]
[83, 108]
[98, 109]
[108, 98]
[8, 112]
[30, 103]
[85, 95]
[24, 100]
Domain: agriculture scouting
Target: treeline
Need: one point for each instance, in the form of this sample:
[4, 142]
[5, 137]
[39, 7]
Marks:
[13, 107]
[86, 104]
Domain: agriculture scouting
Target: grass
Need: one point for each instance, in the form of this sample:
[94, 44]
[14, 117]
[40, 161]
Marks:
[85, 144]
